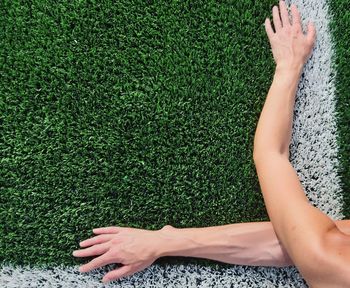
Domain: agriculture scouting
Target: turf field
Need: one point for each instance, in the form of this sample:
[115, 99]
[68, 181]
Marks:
[142, 114]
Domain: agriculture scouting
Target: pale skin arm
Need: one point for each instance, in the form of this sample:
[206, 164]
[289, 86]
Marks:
[252, 243]
[303, 229]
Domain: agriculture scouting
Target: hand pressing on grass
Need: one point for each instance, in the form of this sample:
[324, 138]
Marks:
[290, 47]
[134, 248]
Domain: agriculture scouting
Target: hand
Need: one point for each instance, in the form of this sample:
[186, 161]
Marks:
[134, 248]
[290, 47]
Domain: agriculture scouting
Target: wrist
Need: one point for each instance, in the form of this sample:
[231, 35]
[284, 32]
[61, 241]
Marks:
[175, 241]
[294, 68]
[288, 75]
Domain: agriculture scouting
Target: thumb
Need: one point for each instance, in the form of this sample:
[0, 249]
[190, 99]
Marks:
[123, 271]
[311, 33]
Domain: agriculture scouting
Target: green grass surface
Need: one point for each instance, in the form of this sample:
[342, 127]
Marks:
[136, 113]
[340, 28]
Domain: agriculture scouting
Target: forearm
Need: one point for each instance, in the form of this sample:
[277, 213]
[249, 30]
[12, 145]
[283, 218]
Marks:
[273, 132]
[253, 243]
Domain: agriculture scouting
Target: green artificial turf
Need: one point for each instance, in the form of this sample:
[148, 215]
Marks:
[129, 113]
[135, 114]
[340, 27]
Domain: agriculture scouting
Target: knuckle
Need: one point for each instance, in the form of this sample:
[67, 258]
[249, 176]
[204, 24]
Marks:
[115, 241]
[295, 33]
[114, 249]
[288, 30]
[110, 257]
[114, 253]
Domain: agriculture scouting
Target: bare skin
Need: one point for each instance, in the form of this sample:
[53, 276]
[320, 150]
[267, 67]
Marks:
[298, 233]
[254, 244]
[308, 235]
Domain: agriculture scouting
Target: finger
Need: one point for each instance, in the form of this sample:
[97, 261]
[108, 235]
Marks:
[296, 18]
[96, 240]
[123, 271]
[284, 14]
[268, 28]
[97, 262]
[311, 33]
[276, 18]
[97, 249]
[110, 229]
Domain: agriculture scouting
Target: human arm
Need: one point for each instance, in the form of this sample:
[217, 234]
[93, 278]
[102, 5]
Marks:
[302, 228]
[252, 243]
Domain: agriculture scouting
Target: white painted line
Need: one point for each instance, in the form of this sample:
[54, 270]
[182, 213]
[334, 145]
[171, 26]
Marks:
[314, 147]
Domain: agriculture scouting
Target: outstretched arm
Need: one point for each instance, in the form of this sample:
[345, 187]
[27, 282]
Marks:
[252, 243]
[301, 227]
